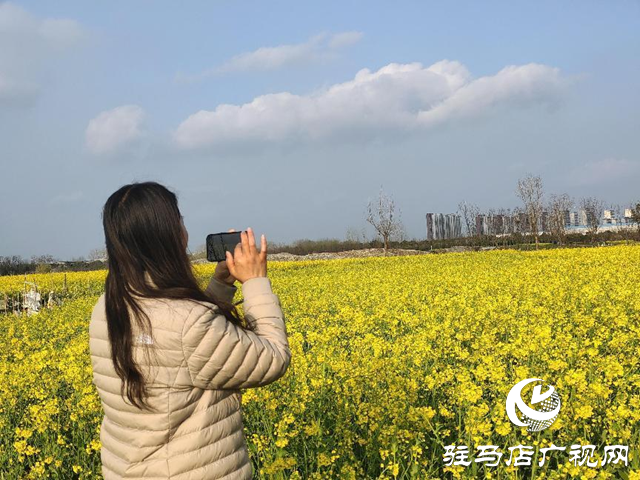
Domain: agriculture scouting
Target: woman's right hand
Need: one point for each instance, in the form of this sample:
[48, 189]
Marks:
[246, 262]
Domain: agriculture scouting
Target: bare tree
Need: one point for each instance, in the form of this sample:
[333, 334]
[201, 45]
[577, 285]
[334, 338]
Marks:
[559, 205]
[635, 215]
[593, 209]
[617, 211]
[355, 235]
[43, 259]
[617, 218]
[469, 212]
[530, 192]
[382, 215]
[401, 235]
[98, 254]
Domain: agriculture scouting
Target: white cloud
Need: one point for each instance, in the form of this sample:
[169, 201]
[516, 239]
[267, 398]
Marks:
[344, 39]
[605, 171]
[397, 97]
[28, 44]
[114, 130]
[322, 46]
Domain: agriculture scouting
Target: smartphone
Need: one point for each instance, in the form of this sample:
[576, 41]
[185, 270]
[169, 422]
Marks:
[219, 243]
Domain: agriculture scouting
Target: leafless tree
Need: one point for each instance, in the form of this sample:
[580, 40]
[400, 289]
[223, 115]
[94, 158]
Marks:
[617, 212]
[42, 259]
[402, 233]
[635, 215]
[617, 219]
[530, 192]
[98, 254]
[356, 236]
[382, 214]
[469, 212]
[558, 206]
[593, 209]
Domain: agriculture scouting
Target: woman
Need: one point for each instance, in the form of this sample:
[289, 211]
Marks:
[169, 359]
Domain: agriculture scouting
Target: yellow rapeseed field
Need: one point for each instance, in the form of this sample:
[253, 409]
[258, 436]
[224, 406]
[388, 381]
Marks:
[393, 359]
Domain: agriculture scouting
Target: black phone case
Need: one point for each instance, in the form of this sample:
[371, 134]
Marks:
[219, 243]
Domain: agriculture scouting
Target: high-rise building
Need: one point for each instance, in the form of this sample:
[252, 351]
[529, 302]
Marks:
[481, 225]
[443, 226]
[573, 219]
[429, 226]
[582, 218]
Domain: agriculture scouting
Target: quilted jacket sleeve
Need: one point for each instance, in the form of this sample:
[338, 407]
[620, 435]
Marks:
[221, 290]
[221, 355]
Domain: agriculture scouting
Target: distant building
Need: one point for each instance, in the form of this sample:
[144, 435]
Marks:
[610, 218]
[443, 226]
[500, 224]
[621, 218]
[573, 219]
[583, 217]
[481, 225]
[579, 218]
[429, 226]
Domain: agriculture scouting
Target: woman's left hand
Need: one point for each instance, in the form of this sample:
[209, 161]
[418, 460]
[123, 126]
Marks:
[222, 272]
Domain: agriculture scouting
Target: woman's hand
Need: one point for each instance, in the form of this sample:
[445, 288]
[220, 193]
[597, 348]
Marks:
[246, 262]
[222, 272]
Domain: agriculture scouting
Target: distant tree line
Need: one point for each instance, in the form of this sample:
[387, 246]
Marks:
[16, 265]
[521, 241]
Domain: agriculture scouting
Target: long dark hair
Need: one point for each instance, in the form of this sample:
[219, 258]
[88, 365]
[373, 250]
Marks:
[143, 233]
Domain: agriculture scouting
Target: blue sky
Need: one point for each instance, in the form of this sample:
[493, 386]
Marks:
[262, 113]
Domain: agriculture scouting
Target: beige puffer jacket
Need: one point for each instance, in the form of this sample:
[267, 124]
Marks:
[203, 361]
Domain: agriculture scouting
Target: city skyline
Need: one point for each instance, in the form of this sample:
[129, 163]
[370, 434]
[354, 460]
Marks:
[443, 226]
